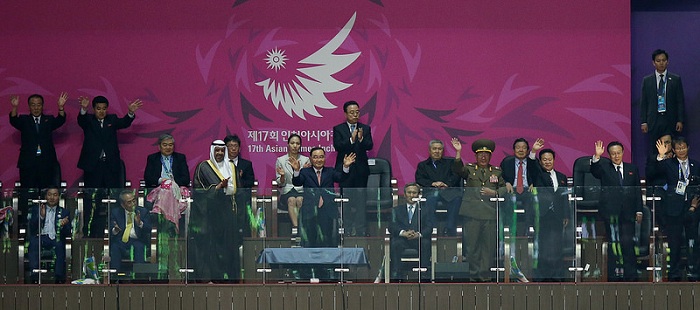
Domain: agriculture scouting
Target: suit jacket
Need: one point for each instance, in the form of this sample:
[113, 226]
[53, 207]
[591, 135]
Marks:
[313, 190]
[667, 169]
[245, 179]
[97, 139]
[509, 172]
[36, 223]
[426, 174]
[31, 138]
[552, 202]
[154, 168]
[118, 216]
[341, 142]
[675, 100]
[618, 200]
[399, 220]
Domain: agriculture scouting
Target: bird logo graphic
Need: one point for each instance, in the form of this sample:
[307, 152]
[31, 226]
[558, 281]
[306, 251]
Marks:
[312, 78]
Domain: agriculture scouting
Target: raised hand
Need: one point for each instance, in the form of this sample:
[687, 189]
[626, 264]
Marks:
[661, 148]
[280, 171]
[359, 133]
[84, 102]
[296, 166]
[62, 100]
[349, 159]
[14, 100]
[599, 150]
[456, 144]
[538, 145]
[135, 105]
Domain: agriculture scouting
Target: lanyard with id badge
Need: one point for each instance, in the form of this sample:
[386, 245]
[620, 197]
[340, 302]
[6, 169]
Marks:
[661, 104]
[682, 180]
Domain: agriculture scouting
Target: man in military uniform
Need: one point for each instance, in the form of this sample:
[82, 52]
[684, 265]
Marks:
[483, 182]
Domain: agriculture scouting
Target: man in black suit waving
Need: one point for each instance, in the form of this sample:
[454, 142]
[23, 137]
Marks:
[411, 227]
[352, 136]
[100, 159]
[621, 206]
[554, 213]
[37, 156]
[662, 103]
[679, 203]
[318, 210]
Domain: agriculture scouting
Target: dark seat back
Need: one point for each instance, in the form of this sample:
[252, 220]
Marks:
[586, 185]
[379, 185]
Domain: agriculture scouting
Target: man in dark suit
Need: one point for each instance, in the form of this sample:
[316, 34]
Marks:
[162, 169]
[100, 159]
[130, 227]
[440, 183]
[520, 172]
[410, 228]
[49, 226]
[245, 180]
[554, 214]
[354, 137]
[37, 161]
[166, 164]
[620, 206]
[318, 210]
[662, 103]
[679, 172]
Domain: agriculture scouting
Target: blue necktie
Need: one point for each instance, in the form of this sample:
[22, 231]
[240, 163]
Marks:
[410, 214]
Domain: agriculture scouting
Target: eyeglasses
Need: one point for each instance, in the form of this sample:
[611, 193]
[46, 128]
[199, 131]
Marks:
[353, 112]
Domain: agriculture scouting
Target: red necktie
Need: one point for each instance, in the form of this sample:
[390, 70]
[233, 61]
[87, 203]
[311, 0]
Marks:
[320, 199]
[519, 188]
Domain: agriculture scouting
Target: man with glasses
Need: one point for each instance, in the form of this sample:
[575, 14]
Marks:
[680, 202]
[245, 180]
[130, 229]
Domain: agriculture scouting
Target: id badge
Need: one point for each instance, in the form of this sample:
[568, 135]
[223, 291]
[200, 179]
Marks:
[662, 104]
[680, 188]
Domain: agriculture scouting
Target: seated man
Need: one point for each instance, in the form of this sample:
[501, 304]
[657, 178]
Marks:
[410, 228]
[49, 225]
[130, 228]
[440, 183]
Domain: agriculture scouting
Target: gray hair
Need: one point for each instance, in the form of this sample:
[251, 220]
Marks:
[435, 141]
[165, 136]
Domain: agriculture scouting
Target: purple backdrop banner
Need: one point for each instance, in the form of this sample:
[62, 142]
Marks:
[263, 69]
